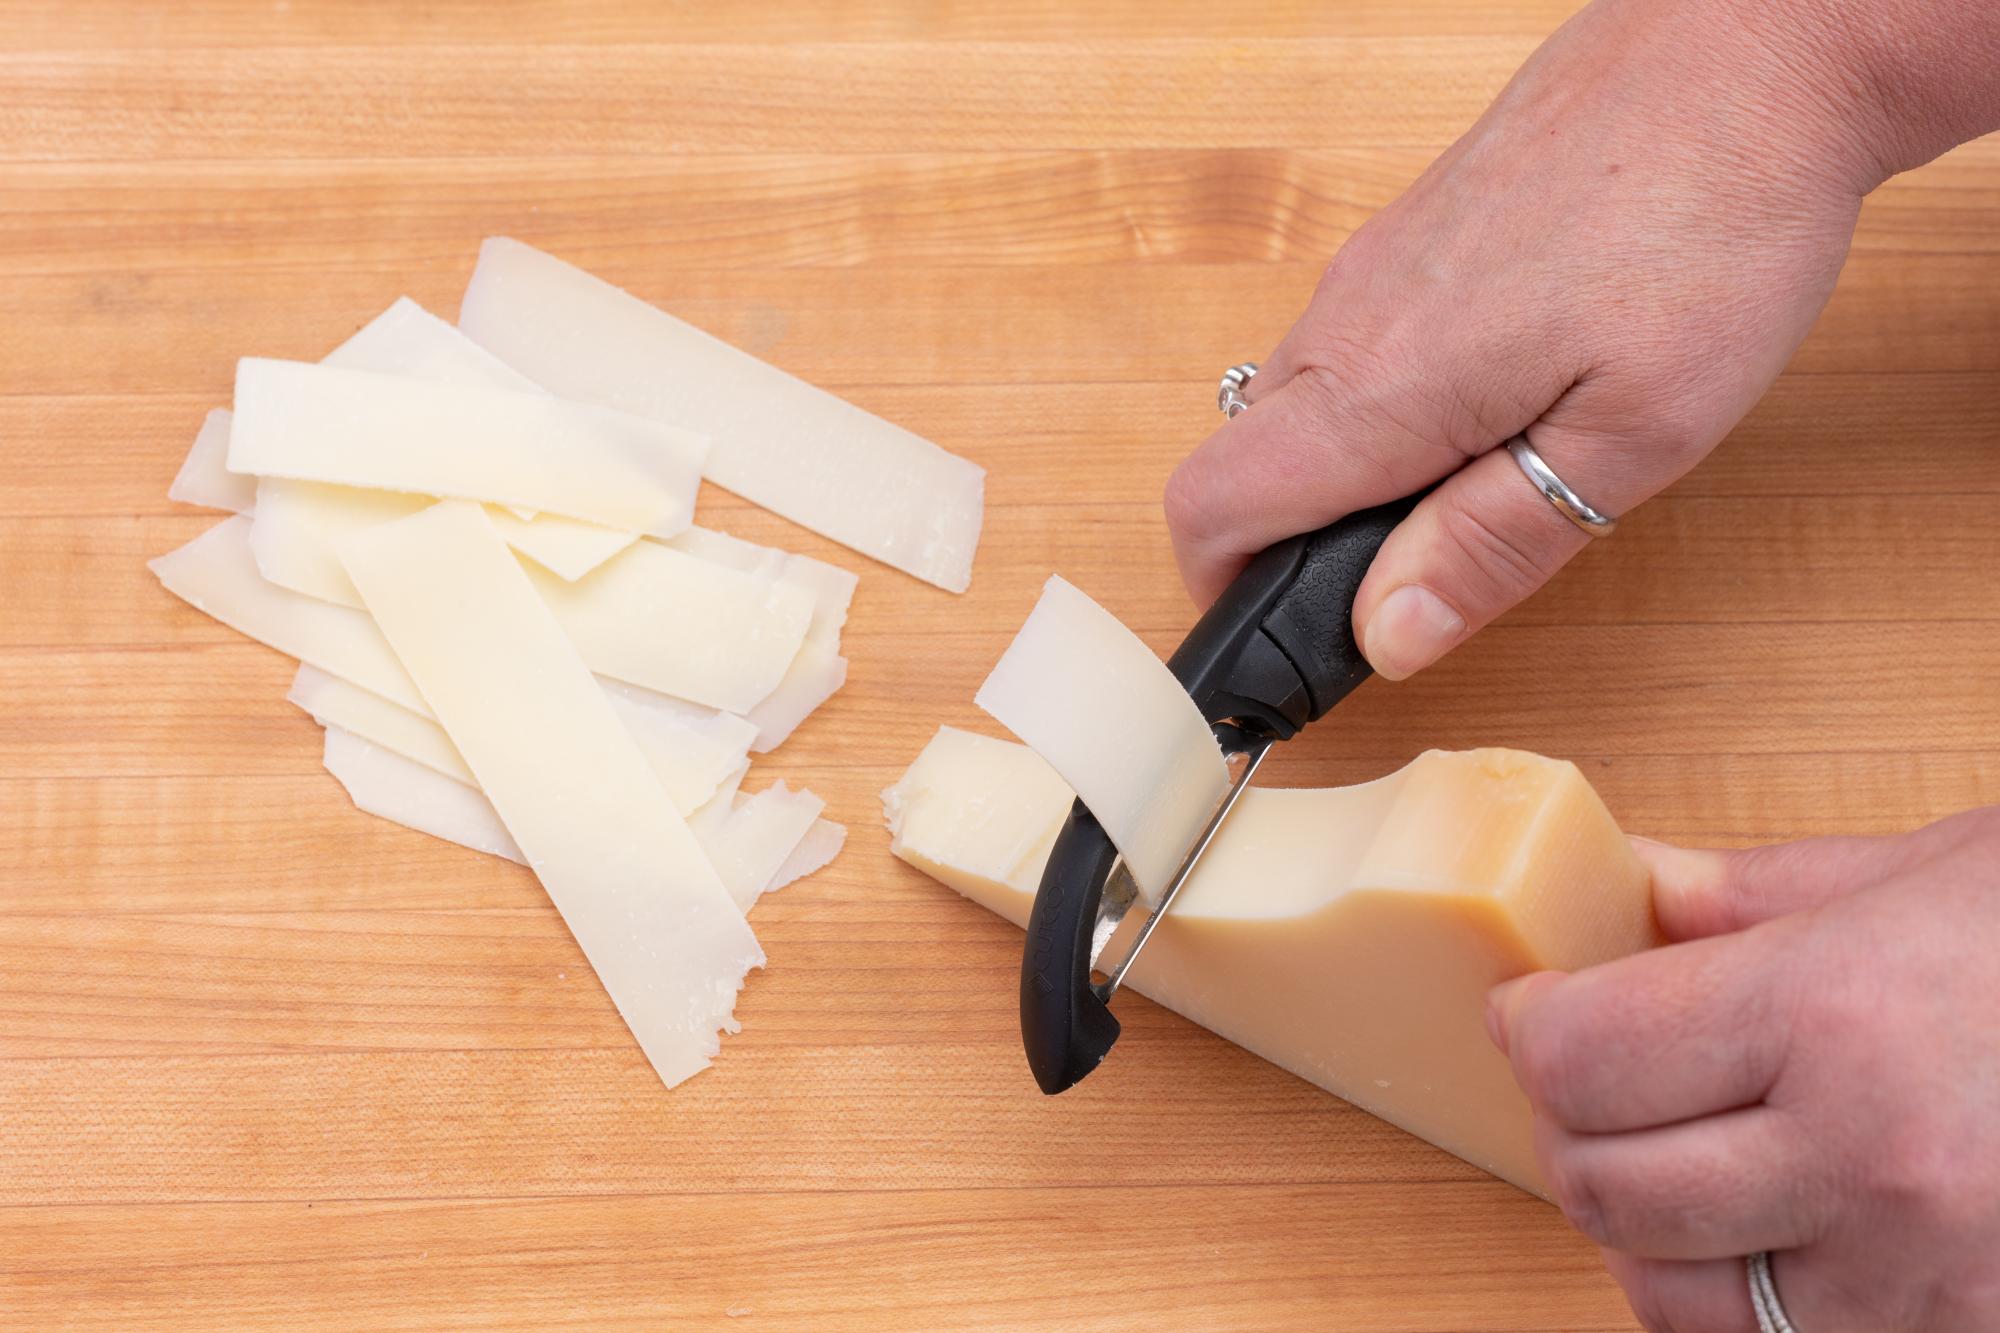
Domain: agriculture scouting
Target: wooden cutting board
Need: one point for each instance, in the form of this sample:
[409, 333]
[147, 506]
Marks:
[264, 1059]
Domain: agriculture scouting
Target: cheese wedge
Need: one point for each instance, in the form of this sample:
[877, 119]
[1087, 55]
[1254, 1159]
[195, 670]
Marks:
[776, 440]
[1348, 935]
[570, 784]
[400, 433]
[1088, 696]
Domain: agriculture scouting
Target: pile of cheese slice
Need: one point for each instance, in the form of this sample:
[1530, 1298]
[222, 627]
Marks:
[479, 543]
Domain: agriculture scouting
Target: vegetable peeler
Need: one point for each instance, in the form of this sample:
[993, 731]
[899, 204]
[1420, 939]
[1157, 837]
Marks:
[1276, 651]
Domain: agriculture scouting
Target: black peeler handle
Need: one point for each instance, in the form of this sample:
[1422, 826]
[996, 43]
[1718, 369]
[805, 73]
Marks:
[1276, 651]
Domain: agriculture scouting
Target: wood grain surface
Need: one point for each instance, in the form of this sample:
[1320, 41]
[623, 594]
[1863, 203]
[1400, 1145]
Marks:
[267, 1061]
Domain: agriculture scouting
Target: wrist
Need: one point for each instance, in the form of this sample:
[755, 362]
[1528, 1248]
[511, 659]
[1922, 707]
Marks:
[1897, 82]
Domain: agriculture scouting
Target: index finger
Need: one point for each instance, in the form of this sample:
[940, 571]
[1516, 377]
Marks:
[1669, 1034]
[1308, 452]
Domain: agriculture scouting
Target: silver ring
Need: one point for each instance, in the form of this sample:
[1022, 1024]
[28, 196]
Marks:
[1230, 396]
[1771, 1316]
[1567, 502]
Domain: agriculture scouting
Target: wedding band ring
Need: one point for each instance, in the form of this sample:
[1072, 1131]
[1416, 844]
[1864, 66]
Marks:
[1567, 502]
[1771, 1316]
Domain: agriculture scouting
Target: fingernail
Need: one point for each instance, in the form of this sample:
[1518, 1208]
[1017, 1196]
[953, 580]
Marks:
[1410, 630]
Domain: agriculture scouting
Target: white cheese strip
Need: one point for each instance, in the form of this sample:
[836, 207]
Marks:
[395, 432]
[392, 787]
[816, 850]
[205, 478]
[407, 339]
[387, 785]
[298, 524]
[1090, 698]
[682, 626]
[217, 574]
[776, 440]
[814, 675]
[759, 834]
[717, 808]
[690, 757]
[332, 702]
[571, 785]
[568, 548]
[832, 587]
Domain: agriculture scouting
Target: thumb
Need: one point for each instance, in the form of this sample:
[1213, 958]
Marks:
[1697, 893]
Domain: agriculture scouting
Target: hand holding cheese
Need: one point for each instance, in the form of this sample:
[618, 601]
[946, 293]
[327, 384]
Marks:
[1813, 1069]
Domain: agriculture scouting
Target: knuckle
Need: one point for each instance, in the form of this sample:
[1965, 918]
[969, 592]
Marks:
[1503, 565]
[1545, 1069]
[1920, 1180]
[1185, 502]
[1576, 1193]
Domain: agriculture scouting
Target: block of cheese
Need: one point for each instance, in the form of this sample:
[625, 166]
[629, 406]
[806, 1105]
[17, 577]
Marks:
[832, 587]
[683, 626]
[1348, 935]
[774, 439]
[400, 433]
[217, 574]
[570, 784]
[205, 478]
[1088, 696]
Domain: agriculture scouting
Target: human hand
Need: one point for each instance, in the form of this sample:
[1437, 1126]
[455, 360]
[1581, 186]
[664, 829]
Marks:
[1617, 259]
[1813, 1069]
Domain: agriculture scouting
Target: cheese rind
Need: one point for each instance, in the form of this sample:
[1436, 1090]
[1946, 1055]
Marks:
[570, 784]
[1348, 935]
[399, 433]
[775, 439]
[670, 622]
[1088, 696]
